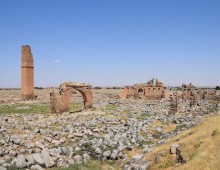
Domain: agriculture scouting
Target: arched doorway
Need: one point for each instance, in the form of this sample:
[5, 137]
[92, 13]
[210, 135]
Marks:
[141, 93]
[76, 102]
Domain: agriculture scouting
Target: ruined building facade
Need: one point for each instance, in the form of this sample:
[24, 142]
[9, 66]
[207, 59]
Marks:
[27, 73]
[150, 90]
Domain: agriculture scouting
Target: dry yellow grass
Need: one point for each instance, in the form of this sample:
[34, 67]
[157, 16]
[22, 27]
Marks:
[200, 147]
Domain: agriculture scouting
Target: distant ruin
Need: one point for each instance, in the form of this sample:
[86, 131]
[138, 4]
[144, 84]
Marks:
[149, 90]
[27, 73]
[65, 93]
[190, 92]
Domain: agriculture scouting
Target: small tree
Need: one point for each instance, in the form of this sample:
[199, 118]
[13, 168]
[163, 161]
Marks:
[217, 88]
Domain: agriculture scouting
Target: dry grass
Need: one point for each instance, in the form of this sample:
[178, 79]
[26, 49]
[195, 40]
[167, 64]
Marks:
[134, 151]
[200, 147]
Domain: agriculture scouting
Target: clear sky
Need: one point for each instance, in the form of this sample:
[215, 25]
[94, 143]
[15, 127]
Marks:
[112, 42]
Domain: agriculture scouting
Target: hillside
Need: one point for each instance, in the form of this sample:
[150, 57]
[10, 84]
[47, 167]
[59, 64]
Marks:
[199, 146]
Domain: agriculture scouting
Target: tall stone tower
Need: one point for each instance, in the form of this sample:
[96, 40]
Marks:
[27, 73]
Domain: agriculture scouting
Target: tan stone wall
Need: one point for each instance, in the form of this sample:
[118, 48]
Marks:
[128, 91]
[27, 73]
[154, 92]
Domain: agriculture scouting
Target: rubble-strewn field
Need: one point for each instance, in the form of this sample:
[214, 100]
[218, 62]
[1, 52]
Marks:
[115, 134]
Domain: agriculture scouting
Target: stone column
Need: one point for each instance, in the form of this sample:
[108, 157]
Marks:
[53, 101]
[27, 73]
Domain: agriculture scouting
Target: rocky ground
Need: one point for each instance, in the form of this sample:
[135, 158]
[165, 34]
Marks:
[31, 138]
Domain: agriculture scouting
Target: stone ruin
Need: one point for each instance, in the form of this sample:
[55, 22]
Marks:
[173, 103]
[65, 93]
[27, 73]
[190, 92]
[149, 90]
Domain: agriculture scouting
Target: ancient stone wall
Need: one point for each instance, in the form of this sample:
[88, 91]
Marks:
[127, 92]
[190, 92]
[27, 73]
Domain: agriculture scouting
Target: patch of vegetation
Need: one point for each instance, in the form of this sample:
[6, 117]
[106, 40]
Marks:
[142, 143]
[180, 127]
[110, 148]
[110, 107]
[215, 132]
[212, 108]
[14, 168]
[25, 108]
[144, 115]
[167, 164]
[92, 165]
[162, 154]
[82, 167]
[88, 147]
[197, 145]
[127, 111]
[76, 107]
[192, 155]
[80, 152]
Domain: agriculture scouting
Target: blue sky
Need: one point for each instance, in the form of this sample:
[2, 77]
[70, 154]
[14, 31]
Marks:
[112, 42]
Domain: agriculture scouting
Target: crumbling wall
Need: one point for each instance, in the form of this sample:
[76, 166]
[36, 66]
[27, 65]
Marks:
[189, 92]
[127, 92]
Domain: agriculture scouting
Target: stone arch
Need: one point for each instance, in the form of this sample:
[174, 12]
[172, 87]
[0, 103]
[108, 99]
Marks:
[87, 97]
[66, 91]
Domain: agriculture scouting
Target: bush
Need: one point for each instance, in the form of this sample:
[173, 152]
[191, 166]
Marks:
[217, 88]
[215, 132]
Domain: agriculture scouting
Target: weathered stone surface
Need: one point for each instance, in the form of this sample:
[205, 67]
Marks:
[107, 154]
[114, 154]
[39, 145]
[78, 134]
[2, 168]
[38, 159]
[173, 149]
[36, 167]
[30, 160]
[86, 157]
[27, 73]
[49, 162]
[20, 161]
[78, 159]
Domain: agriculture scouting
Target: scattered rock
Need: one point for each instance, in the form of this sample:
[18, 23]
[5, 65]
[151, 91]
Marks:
[20, 161]
[38, 159]
[77, 159]
[47, 158]
[173, 148]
